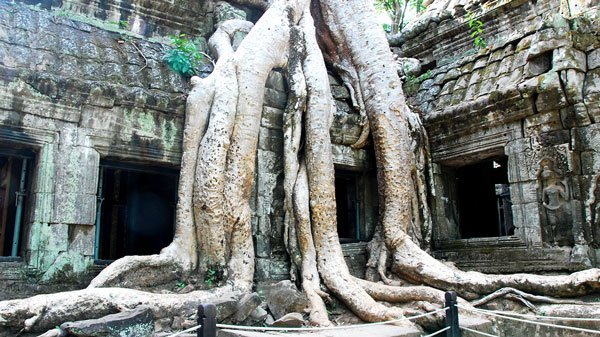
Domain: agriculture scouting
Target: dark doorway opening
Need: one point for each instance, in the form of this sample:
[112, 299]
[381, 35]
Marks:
[484, 199]
[137, 210]
[14, 183]
[347, 196]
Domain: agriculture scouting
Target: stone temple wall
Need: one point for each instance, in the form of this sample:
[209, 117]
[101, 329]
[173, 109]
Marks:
[74, 93]
[533, 96]
[144, 17]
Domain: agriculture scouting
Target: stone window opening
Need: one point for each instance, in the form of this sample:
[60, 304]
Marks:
[483, 199]
[135, 210]
[14, 186]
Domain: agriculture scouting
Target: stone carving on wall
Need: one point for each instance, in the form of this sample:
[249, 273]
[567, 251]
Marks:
[593, 205]
[554, 188]
[555, 210]
[557, 154]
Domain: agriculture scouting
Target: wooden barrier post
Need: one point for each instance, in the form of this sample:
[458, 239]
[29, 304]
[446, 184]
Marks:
[452, 315]
[207, 317]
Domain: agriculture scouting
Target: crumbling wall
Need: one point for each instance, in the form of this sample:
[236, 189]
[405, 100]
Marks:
[74, 93]
[143, 17]
[532, 95]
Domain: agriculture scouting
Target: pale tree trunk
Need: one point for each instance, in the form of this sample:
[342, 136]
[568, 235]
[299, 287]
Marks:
[213, 233]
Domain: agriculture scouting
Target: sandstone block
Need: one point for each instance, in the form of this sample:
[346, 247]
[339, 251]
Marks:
[593, 59]
[550, 93]
[246, 306]
[292, 319]
[568, 58]
[275, 99]
[137, 323]
[283, 298]
[276, 81]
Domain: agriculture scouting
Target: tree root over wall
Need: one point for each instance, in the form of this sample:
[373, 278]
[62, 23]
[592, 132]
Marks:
[213, 227]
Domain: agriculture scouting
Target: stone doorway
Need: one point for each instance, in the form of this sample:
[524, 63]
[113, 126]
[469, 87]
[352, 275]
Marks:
[13, 188]
[483, 199]
[347, 196]
[136, 212]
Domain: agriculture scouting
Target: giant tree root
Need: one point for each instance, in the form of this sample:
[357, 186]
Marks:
[521, 294]
[43, 312]
[411, 263]
[140, 272]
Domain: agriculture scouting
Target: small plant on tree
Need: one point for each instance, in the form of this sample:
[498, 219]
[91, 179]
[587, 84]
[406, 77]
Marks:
[184, 58]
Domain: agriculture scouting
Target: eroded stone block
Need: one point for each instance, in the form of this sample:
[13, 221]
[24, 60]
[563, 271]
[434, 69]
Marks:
[568, 58]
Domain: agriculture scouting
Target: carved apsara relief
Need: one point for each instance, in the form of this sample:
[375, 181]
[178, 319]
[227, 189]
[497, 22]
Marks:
[554, 197]
[593, 205]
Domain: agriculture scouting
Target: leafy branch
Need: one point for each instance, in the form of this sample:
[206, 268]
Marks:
[476, 28]
[185, 57]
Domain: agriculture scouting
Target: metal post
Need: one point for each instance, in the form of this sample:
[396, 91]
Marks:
[207, 317]
[452, 315]
[99, 200]
[19, 215]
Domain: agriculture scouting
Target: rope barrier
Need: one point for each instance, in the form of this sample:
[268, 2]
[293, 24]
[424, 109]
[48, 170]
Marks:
[194, 328]
[487, 312]
[559, 318]
[338, 327]
[437, 332]
[478, 332]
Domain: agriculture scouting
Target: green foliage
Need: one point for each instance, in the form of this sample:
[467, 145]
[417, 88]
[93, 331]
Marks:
[211, 277]
[180, 285]
[123, 24]
[330, 307]
[411, 84]
[418, 5]
[476, 29]
[387, 27]
[399, 12]
[184, 58]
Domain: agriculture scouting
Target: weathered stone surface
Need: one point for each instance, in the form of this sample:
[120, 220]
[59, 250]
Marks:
[479, 94]
[275, 99]
[258, 315]
[283, 297]
[550, 93]
[340, 92]
[593, 59]
[290, 320]
[409, 66]
[246, 306]
[568, 58]
[137, 323]
[225, 11]
[276, 81]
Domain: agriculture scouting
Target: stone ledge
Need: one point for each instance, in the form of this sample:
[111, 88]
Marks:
[508, 257]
